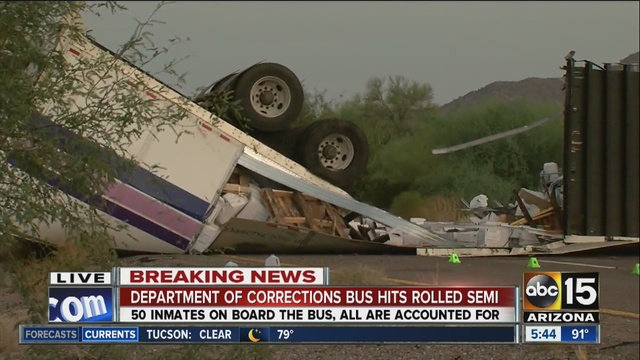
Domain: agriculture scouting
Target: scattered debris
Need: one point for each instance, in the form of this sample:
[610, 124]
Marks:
[272, 260]
[533, 219]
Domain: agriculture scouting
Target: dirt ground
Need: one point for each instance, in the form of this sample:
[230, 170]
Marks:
[619, 288]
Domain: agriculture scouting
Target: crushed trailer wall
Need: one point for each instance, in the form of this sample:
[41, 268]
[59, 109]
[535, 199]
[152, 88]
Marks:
[601, 150]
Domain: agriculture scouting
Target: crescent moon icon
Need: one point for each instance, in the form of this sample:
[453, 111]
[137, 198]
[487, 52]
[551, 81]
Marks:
[252, 337]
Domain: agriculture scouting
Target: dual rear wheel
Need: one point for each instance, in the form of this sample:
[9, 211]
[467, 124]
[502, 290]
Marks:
[271, 98]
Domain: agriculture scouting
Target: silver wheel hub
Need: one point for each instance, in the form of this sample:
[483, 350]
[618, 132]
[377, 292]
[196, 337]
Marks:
[270, 96]
[266, 98]
[336, 152]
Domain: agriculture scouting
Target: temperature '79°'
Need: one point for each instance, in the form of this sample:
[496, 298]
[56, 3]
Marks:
[579, 333]
[284, 334]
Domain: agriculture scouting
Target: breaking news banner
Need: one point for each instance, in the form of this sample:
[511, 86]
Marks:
[81, 297]
[319, 305]
[561, 297]
[583, 334]
[43, 334]
[222, 276]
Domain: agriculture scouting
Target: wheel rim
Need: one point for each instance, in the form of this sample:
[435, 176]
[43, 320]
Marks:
[336, 152]
[270, 96]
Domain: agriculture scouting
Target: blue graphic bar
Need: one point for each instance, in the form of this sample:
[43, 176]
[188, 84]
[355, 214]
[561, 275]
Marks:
[64, 334]
[583, 334]
[587, 334]
[81, 304]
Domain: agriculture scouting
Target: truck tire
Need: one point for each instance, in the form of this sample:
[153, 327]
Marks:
[218, 86]
[335, 150]
[270, 95]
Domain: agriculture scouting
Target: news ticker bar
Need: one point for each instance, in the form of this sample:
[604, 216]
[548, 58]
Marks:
[43, 334]
[278, 305]
[584, 334]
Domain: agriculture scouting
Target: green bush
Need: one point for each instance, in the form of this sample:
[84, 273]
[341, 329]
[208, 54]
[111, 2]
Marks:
[403, 127]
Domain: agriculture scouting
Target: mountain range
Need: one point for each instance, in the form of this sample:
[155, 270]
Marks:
[536, 89]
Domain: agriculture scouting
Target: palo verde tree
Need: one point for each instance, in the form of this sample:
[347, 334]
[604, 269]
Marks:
[67, 116]
[60, 112]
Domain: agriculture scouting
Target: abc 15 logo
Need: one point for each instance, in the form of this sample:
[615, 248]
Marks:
[561, 291]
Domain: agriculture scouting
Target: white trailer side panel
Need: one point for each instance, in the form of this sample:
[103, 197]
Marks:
[191, 155]
[199, 162]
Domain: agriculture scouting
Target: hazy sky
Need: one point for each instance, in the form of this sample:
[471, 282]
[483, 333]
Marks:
[457, 47]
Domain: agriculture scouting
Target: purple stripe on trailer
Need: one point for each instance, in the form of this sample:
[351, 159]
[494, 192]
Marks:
[153, 210]
[139, 222]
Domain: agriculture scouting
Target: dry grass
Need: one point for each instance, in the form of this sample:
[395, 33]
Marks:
[581, 353]
[440, 208]
[9, 339]
[21, 250]
[357, 275]
[432, 208]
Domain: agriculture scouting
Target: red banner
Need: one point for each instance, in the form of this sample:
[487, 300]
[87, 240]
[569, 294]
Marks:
[318, 296]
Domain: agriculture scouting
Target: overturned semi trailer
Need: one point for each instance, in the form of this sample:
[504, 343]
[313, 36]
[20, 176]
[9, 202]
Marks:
[151, 214]
[178, 208]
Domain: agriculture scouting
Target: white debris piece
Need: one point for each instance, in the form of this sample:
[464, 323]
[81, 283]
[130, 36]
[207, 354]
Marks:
[475, 220]
[214, 210]
[272, 260]
[379, 232]
[524, 238]
[480, 201]
[207, 236]
[467, 238]
[395, 238]
[370, 223]
[532, 209]
[353, 224]
[254, 209]
[231, 264]
[418, 221]
[490, 218]
[494, 237]
[549, 173]
[233, 203]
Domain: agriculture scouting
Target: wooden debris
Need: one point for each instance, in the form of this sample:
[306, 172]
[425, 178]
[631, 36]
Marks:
[539, 216]
[237, 184]
[294, 208]
[550, 216]
[306, 211]
[236, 189]
[523, 208]
[272, 205]
[530, 198]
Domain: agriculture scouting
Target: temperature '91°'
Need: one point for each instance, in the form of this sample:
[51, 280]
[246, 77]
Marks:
[579, 334]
